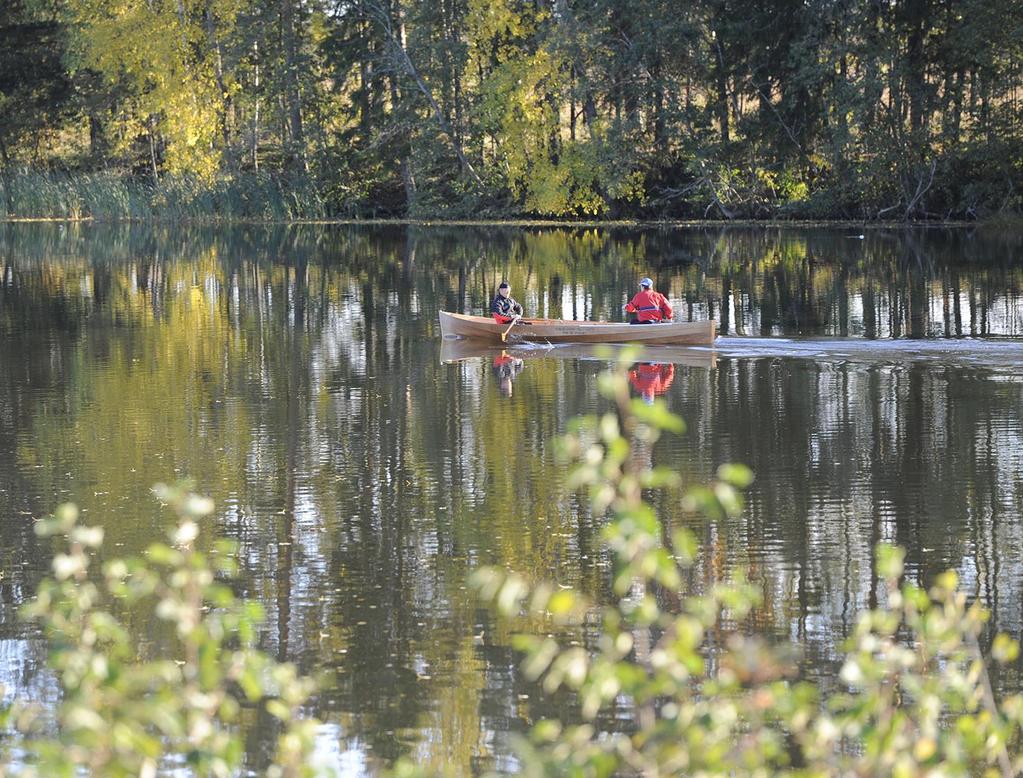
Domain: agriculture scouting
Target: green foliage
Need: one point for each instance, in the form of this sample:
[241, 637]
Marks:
[32, 194]
[705, 695]
[180, 696]
[34, 86]
[522, 99]
[566, 109]
[159, 53]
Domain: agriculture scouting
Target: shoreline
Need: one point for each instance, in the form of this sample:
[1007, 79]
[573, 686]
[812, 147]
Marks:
[527, 223]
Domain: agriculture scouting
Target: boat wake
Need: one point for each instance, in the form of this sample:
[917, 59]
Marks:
[995, 352]
[1002, 354]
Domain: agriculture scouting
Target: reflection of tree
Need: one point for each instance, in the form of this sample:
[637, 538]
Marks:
[292, 372]
[850, 455]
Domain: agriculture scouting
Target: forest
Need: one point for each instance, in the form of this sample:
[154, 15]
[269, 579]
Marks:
[887, 110]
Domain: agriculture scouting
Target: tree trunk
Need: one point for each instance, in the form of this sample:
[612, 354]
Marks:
[255, 112]
[404, 152]
[554, 141]
[985, 105]
[566, 22]
[406, 64]
[96, 144]
[408, 180]
[843, 121]
[872, 85]
[152, 149]
[916, 80]
[956, 121]
[6, 160]
[458, 107]
[296, 156]
[456, 73]
[374, 84]
[721, 79]
[571, 107]
[218, 72]
[660, 135]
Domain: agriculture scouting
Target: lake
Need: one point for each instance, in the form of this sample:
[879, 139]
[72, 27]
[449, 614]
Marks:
[871, 378]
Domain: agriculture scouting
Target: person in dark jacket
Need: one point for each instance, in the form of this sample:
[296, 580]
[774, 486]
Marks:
[649, 306]
[504, 308]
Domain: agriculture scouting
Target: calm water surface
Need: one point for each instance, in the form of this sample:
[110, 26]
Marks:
[873, 383]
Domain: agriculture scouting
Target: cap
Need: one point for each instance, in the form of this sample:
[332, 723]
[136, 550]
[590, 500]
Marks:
[503, 285]
[645, 282]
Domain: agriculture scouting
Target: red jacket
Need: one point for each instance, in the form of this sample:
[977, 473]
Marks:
[651, 379]
[649, 305]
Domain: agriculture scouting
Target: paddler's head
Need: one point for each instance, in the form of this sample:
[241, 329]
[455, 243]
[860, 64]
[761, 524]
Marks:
[504, 290]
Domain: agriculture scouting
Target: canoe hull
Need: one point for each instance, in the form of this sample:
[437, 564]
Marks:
[683, 333]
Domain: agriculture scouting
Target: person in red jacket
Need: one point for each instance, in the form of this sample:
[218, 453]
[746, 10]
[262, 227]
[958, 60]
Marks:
[649, 306]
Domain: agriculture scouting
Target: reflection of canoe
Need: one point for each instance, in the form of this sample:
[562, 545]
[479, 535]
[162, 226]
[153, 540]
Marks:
[676, 333]
[457, 349]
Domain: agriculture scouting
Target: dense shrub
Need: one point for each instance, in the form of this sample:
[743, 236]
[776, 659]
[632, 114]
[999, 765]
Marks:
[705, 694]
[29, 194]
[182, 694]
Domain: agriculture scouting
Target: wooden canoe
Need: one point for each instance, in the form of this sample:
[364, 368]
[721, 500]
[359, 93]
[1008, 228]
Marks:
[485, 328]
[460, 349]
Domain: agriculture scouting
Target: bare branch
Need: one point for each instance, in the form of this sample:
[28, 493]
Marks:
[383, 17]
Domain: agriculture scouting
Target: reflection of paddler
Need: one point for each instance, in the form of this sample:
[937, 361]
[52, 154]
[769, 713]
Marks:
[651, 379]
[505, 368]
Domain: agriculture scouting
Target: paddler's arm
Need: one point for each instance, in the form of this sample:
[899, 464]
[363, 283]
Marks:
[666, 308]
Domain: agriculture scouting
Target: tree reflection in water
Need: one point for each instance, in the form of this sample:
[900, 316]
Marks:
[296, 373]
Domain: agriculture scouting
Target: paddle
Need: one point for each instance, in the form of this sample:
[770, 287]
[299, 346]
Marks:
[504, 335]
